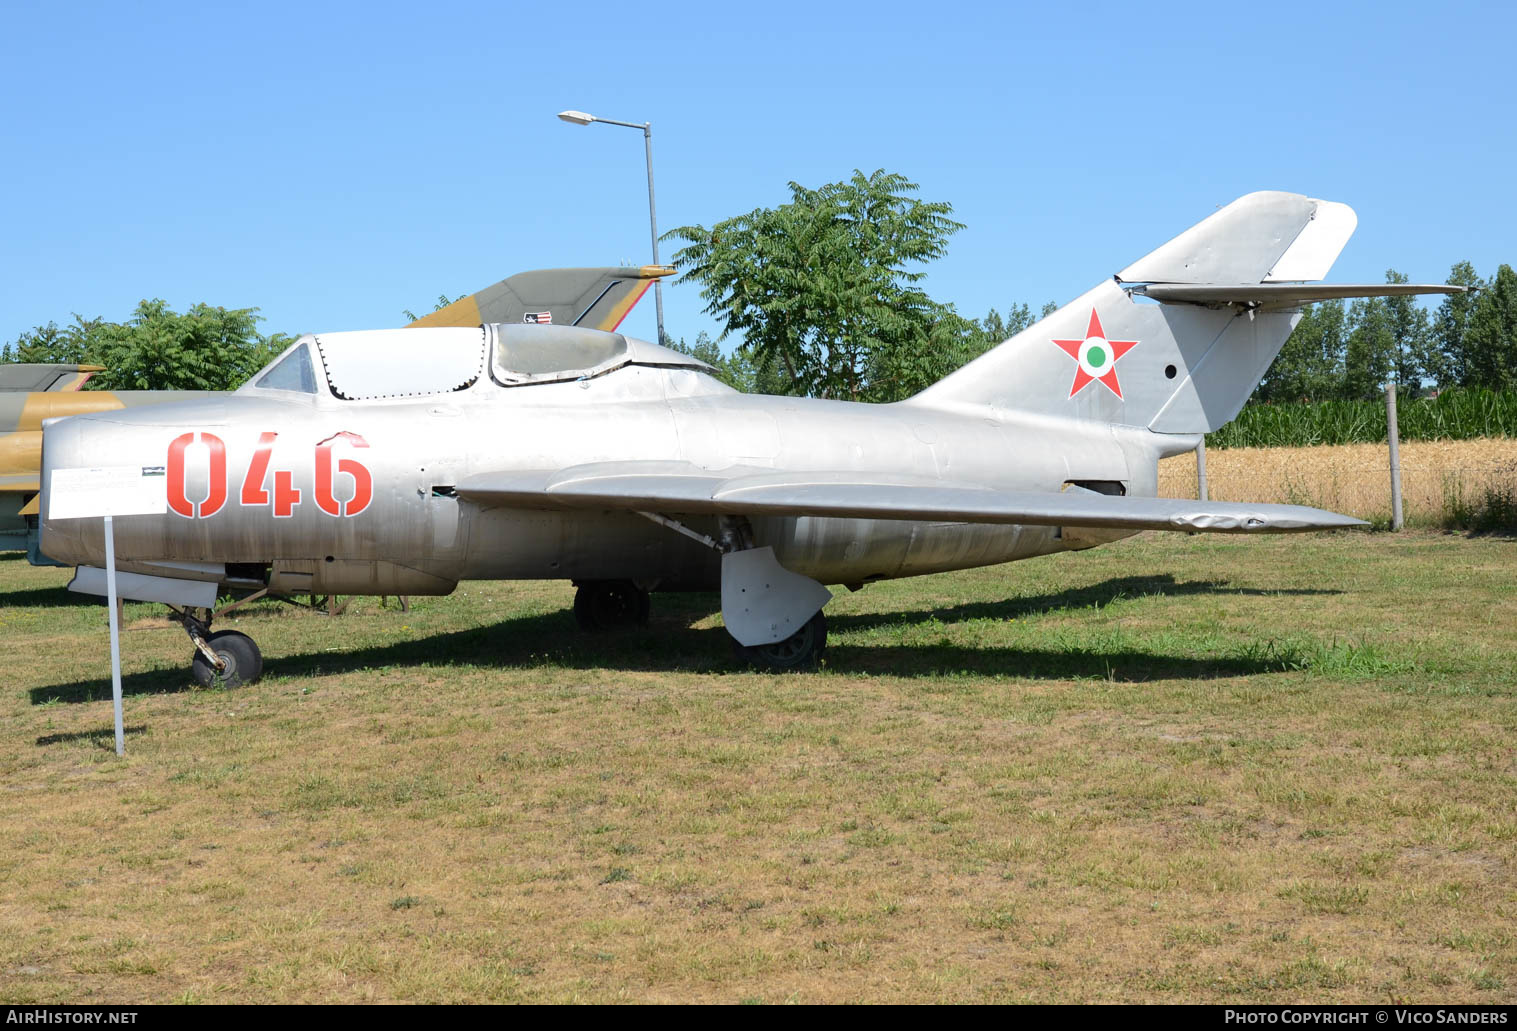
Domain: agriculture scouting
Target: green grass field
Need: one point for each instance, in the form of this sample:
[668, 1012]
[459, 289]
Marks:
[1172, 769]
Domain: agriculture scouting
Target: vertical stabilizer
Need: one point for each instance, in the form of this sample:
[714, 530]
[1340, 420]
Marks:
[593, 298]
[1114, 356]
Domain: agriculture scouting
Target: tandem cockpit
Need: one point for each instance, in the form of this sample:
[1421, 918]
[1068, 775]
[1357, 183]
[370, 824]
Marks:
[497, 359]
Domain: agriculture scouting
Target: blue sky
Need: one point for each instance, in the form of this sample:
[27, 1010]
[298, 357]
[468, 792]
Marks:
[333, 164]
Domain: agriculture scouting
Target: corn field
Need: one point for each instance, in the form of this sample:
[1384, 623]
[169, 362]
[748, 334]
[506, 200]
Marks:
[1463, 414]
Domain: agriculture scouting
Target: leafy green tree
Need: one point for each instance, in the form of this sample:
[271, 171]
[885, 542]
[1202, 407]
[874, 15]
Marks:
[1446, 362]
[1410, 333]
[905, 363]
[204, 348]
[825, 287]
[996, 329]
[1370, 354]
[1490, 339]
[1310, 365]
[48, 343]
[738, 369]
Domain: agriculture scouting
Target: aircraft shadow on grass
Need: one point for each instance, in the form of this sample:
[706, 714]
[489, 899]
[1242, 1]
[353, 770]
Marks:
[1092, 596]
[47, 597]
[671, 644]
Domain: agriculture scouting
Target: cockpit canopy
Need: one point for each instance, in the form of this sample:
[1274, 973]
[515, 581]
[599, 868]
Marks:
[547, 354]
[400, 363]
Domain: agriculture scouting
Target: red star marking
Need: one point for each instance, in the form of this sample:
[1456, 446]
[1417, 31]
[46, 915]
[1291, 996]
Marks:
[1109, 360]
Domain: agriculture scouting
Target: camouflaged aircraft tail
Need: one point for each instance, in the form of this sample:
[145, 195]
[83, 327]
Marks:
[594, 298]
[45, 377]
[1184, 365]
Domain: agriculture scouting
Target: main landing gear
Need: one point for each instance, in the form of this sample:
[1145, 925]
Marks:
[227, 658]
[601, 605]
[801, 650]
[774, 615]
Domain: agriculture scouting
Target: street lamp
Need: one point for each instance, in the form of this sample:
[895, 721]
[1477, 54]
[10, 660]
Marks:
[581, 118]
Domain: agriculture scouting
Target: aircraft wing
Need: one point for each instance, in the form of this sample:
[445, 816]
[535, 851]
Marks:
[680, 488]
[595, 298]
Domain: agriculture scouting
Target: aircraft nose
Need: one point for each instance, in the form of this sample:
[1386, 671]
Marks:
[61, 449]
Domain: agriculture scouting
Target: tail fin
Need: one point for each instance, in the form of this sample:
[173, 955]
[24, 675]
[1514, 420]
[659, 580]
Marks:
[595, 298]
[45, 378]
[1227, 303]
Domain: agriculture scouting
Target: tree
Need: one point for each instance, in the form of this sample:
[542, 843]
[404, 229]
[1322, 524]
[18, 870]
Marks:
[996, 329]
[1410, 334]
[50, 344]
[1370, 357]
[1310, 365]
[205, 348]
[738, 370]
[824, 287]
[1445, 362]
[1490, 339]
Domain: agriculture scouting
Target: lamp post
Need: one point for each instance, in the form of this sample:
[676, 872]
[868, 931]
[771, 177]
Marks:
[581, 118]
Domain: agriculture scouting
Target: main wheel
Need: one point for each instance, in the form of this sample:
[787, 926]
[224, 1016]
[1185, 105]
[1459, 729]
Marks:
[801, 650]
[244, 662]
[611, 605]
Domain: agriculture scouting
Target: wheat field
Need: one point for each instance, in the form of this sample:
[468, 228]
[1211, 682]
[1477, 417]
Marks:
[1438, 477]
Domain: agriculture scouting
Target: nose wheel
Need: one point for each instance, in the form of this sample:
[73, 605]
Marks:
[242, 663]
[601, 605]
[227, 658]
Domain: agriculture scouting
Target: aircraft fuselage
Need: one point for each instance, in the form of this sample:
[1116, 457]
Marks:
[335, 496]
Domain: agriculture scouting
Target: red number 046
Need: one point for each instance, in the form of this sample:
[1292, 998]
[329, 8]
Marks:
[254, 492]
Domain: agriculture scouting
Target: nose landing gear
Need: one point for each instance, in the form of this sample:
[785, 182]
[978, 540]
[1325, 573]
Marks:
[227, 658]
[242, 663]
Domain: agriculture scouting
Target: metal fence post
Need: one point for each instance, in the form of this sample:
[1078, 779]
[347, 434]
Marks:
[1394, 434]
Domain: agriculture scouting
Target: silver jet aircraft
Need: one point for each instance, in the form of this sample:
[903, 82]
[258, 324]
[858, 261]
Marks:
[404, 461]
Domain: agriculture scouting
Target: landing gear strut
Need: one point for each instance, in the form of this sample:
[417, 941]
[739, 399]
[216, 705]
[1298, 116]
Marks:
[227, 658]
[601, 605]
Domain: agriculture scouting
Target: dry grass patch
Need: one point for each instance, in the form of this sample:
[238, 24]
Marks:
[1439, 478]
[1178, 768]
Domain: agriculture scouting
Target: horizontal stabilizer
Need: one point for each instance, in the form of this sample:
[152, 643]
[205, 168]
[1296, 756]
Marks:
[20, 483]
[677, 488]
[1283, 295]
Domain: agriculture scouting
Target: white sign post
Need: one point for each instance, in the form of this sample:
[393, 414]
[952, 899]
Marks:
[108, 492]
[110, 600]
